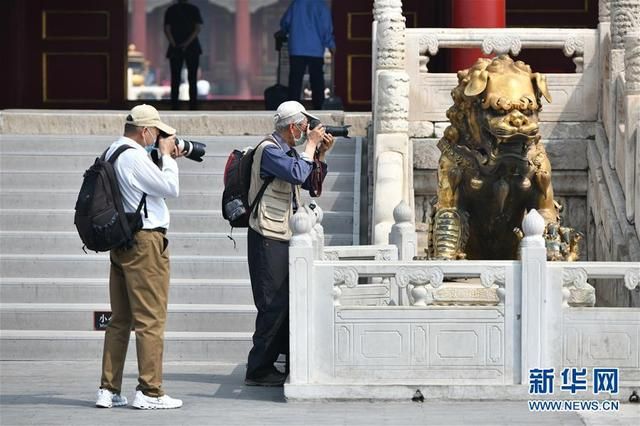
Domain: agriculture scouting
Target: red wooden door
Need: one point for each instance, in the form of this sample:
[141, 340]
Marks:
[352, 29]
[66, 53]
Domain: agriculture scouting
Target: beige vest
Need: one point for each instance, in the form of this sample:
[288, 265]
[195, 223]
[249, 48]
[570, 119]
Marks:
[271, 216]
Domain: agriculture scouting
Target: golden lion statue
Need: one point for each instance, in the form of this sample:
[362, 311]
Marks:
[493, 167]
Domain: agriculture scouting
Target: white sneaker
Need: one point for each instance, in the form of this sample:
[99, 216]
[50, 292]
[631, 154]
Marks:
[144, 402]
[107, 399]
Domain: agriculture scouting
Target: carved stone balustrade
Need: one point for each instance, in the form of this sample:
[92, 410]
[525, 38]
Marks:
[573, 94]
[543, 317]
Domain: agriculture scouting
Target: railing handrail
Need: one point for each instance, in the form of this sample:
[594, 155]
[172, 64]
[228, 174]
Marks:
[596, 270]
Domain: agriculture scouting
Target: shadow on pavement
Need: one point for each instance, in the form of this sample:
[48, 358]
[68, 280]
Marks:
[226, 386]
[43, 400]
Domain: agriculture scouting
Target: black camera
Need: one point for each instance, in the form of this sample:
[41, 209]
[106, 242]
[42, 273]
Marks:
[337, 131]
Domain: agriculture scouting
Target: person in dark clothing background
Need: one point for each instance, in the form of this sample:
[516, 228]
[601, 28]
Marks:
[310, 30]
[182, 22]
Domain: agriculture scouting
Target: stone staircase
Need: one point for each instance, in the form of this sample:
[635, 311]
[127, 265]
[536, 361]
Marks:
[50, 289]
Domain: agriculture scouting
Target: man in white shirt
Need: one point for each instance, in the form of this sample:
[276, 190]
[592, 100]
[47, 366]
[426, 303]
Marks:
[139, 276]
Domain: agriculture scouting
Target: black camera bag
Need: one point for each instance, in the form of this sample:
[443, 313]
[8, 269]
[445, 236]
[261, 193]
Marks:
[100, 218]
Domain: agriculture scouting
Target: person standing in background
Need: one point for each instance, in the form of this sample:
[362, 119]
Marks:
[182, 22]
[310, 30]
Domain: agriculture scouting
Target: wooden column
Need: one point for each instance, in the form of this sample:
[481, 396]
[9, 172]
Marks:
[474, 14]
[139, 25]
[243, 49]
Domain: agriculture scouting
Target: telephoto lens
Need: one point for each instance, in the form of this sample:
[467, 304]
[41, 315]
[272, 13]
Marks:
[336, 131]
[191, 149]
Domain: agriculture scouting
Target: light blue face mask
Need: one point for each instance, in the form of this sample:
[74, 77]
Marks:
[148, 148]
[302, 139]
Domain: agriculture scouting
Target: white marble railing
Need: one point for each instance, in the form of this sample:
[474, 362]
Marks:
[578, 44]
[495, 321]
[586, 334]
[621, 113]
[573, 94]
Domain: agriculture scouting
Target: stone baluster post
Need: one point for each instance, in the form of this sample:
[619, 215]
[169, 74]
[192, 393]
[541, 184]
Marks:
[392, 157]
[403, 232]
[301, 257]
[319, 229]
[314, 235]
[625, 17]
[604, 34]
[535, 288]
[632, 109]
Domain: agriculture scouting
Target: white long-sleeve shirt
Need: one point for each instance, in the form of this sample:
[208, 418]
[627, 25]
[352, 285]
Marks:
[138, 175]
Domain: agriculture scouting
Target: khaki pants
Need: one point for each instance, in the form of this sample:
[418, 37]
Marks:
[138, 288]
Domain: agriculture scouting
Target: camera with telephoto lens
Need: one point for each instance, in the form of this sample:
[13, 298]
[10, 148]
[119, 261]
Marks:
[191, 149]
[337, 131]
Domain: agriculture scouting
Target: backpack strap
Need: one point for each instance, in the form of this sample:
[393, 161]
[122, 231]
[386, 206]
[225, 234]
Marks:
[112, 160]
[116, 153]
[266, 183]
[124, 223]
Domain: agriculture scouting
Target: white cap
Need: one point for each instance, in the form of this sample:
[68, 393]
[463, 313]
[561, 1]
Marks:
[147, 116]
[289, 109]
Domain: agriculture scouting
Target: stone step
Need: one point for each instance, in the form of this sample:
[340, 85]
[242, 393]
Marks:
[47, 282]
[79, 161]
[60, 345]
[180, 243]
[97, 265]
[79, 316]
[181, 221]
[95, 145]
[27, 180]
[96, 290]
[192, 200]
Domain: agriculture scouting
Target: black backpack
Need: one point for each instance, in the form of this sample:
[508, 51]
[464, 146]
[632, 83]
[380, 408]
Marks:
[237, 179]
[100, 218]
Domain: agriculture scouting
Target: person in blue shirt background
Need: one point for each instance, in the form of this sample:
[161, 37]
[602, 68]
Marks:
[310, 30]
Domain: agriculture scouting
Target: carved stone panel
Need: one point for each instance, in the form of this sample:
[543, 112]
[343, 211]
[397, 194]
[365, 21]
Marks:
[440, 346]
[381, 344]
[602, 337]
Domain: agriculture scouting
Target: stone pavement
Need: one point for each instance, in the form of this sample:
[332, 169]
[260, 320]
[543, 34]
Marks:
[62, 393]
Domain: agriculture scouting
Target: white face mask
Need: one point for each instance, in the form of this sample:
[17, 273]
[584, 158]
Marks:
[302, 139]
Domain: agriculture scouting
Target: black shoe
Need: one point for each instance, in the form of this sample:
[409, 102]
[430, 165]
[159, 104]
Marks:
[273, 378]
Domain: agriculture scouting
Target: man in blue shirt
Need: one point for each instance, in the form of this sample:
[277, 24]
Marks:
[310, 30]
[277, 162]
